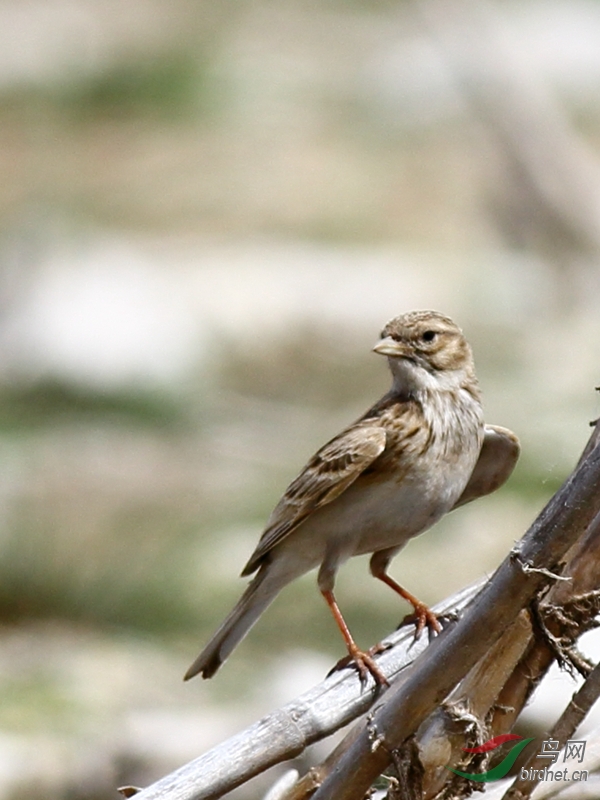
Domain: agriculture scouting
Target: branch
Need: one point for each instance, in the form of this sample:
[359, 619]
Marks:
[286, 733]
[450, 657]
[585, 579]
[491, 697]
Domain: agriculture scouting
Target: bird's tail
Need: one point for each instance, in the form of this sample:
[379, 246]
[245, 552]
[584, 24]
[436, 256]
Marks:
[258, 595]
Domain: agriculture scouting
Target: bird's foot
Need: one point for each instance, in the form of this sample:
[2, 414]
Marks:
[365, 664]
[422, 617]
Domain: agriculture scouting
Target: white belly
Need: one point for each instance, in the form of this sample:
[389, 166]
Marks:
[377, 517]
[370, 517]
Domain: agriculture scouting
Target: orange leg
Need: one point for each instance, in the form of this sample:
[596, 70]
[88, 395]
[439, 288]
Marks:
[424, 615]
[364, 662]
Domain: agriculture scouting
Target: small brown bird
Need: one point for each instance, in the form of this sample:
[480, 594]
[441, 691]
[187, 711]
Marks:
[419, 452]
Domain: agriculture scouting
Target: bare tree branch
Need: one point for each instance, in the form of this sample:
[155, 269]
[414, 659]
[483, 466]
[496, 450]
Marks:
[491, 697]
[585, 579]
[287, 732]
[450, 657]
[462, 720]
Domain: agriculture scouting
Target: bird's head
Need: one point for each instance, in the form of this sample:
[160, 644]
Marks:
[426, 349]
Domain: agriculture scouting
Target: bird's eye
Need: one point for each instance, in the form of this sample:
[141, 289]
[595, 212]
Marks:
[429, 336]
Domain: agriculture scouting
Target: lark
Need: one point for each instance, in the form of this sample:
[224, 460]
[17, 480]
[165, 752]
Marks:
[419, 452]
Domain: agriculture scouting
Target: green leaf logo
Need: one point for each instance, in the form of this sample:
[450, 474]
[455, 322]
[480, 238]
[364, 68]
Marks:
[501, 769]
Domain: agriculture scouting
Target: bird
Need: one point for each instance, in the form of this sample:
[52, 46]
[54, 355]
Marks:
[422, 450]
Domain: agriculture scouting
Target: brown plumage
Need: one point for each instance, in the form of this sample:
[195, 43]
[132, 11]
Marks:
[420, 451]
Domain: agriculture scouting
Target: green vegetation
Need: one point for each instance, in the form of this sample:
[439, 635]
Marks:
[53, 401]
[169, 86]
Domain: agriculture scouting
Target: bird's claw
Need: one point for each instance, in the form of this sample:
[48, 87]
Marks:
[364, 663]
[423, 617]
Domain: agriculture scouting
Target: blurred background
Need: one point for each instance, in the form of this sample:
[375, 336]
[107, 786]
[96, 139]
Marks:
[207, 213]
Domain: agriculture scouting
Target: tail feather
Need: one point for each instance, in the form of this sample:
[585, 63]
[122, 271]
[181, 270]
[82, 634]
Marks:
[258, 595]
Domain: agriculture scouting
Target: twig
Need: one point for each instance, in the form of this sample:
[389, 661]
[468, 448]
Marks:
[529, 569]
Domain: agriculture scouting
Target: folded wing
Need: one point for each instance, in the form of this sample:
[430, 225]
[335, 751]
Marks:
[497, 459]
[329, 472]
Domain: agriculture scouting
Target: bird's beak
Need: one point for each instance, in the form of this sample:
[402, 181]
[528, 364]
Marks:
[390, 347]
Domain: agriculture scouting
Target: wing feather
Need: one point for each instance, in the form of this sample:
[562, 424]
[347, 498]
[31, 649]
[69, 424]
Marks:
[497, 458]
[329, 472]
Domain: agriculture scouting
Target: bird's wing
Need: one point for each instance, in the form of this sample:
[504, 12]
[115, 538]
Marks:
[329, 472]
[497, 458]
